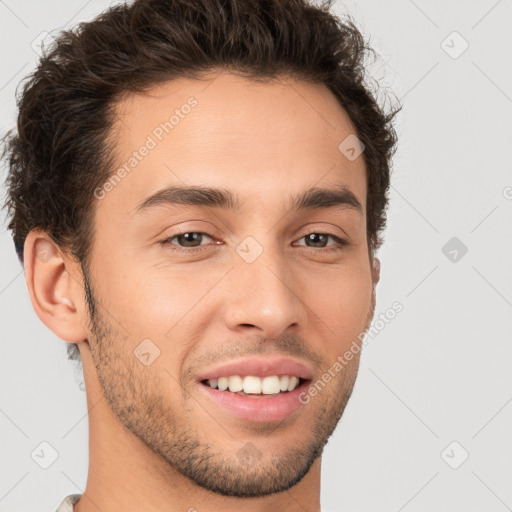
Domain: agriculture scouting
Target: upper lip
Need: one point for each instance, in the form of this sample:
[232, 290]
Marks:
[259, 367]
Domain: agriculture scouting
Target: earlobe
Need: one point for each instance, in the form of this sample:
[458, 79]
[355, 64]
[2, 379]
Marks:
[55, 291]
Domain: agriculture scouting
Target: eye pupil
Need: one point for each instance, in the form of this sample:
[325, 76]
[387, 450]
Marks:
[317, 238]
[190, 237]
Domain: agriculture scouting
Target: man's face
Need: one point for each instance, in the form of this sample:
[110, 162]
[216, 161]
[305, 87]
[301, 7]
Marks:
[263, 281]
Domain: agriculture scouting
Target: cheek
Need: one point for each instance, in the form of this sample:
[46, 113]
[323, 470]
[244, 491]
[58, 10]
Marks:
[145, 297]
[168, 307]
[341, 301]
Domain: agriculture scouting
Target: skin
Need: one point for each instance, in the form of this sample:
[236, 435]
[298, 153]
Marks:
[155, 442]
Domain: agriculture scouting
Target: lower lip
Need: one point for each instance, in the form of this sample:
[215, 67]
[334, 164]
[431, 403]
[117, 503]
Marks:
[258, 408]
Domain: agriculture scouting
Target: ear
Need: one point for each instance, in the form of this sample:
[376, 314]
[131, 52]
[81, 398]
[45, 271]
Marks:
[375, 270]
[55, 287]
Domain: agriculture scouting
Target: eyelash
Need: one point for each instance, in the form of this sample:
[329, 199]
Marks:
[166, 242]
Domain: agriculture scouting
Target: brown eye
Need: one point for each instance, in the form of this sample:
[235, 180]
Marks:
[186, 241]
[320, 241]
[317, 239]
[192, 239]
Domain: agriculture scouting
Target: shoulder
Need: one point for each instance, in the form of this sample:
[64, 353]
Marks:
[67, 503]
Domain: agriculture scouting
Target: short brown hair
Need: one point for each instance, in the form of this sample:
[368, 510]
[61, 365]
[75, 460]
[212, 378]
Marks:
[63, 149]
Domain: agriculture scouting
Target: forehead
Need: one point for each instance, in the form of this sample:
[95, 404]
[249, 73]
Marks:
[262, 140]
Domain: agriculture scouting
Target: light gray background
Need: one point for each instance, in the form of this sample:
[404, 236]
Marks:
[439, 372]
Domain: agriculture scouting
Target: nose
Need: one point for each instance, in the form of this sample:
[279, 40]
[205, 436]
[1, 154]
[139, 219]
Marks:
[263, 297]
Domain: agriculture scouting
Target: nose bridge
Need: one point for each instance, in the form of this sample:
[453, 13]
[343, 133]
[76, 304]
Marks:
[261, 294]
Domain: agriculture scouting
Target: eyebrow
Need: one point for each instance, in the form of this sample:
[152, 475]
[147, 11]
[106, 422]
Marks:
[312, 198]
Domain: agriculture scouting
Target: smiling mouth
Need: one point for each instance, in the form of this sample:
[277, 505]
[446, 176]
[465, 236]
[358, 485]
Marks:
[254, 386]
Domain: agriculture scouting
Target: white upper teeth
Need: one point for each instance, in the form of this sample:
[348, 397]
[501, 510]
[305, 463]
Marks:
[255, 385]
